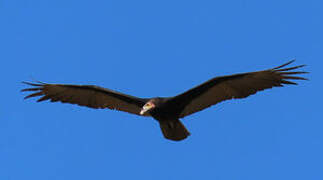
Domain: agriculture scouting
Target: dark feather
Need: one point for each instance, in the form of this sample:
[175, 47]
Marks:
[86, 95]
[233, 87]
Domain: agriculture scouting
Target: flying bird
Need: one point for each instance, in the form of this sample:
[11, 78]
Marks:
[168, 110]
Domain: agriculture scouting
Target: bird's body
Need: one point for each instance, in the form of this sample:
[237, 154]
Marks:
[168, 119]
[167, 111]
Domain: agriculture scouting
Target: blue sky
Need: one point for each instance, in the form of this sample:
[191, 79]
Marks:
[160, 48]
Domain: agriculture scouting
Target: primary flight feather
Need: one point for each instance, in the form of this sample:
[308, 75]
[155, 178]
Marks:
[168, 111]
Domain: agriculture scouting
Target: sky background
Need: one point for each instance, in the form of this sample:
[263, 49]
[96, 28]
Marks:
[160, 48]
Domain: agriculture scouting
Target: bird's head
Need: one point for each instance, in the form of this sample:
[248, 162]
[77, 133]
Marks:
[147, 108]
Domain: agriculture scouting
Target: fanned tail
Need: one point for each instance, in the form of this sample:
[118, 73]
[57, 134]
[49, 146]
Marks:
[174, 130]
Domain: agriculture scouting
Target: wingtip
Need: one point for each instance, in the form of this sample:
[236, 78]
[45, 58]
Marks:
[31, 84]
[289, 62]
[35, 83]
[31, 89]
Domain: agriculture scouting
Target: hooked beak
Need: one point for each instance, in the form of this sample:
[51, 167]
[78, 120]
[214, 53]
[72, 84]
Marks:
[146, 108]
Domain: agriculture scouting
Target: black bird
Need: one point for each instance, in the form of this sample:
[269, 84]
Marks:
[167, 111]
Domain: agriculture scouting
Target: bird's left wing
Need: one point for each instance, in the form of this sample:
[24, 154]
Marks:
[86, 95]
[232, 87]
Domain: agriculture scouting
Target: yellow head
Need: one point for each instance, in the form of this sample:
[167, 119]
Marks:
[147, 107]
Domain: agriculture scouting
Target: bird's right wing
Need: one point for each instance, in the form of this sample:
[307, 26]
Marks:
[86, 95]
[232, 87]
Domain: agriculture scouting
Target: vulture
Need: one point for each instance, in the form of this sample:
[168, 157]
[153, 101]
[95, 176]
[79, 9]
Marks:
[168, 110]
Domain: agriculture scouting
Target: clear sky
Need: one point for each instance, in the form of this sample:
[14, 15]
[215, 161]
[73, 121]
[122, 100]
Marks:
[160, 48]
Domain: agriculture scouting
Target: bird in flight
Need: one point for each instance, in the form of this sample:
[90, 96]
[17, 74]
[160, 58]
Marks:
[168, 110]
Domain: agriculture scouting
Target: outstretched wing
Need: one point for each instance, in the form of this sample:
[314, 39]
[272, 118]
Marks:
[86, 95]
[232, 87]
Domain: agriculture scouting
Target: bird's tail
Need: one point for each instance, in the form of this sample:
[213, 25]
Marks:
[173, 130]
